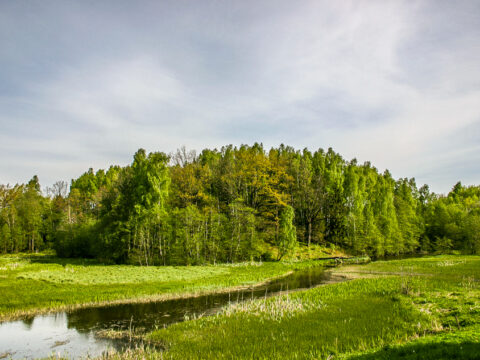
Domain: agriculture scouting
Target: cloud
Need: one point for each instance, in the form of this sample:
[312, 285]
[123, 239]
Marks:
[392, 82]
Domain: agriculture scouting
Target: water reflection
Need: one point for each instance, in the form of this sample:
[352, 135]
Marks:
[45, 335]
[73, 333]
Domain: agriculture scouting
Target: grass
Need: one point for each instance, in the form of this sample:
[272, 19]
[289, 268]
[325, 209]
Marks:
[461, 344]
[31, 284]
[422, 308]
[313, 252]
[406, 309]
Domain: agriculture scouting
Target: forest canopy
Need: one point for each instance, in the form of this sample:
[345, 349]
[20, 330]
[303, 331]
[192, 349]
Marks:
[236, 204]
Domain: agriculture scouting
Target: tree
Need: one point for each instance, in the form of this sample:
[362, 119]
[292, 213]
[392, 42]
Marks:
[242, 234]
[308, 197]
[235, 204]
[134, 216]
[287, 239]
[30, 211]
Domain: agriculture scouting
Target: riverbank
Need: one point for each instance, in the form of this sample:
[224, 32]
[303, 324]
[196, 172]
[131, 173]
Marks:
[35, 284]
[426, 308]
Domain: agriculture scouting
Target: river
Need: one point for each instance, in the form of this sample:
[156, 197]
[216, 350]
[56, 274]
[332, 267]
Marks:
[74, 334]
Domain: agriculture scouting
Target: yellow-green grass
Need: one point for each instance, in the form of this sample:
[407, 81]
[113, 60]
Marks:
[402, 308]
[440, 266]
[31, 284]
[304, 252]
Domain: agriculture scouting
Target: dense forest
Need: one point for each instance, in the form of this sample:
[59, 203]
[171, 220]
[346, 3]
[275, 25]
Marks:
[235, 204]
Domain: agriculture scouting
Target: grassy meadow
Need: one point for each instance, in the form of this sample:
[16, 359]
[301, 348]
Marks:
[31, 284]
[418, 308]
[423, 308]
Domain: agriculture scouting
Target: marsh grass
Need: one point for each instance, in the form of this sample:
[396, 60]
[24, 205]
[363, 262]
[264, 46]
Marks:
[391, 309]
[277, 308]
[425, 308]
[316, 323]
[32, 284]
[462, 344]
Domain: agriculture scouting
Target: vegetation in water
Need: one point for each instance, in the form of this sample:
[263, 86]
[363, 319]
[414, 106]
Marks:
[425, 308]
[236, 204]
[40, 282]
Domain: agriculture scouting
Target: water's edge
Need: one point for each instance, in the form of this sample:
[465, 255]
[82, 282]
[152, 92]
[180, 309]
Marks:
[76, 333]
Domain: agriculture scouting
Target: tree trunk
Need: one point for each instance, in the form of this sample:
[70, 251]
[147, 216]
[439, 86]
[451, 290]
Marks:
[309, 232]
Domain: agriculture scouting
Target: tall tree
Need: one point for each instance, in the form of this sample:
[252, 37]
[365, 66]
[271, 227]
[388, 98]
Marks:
[287, 238]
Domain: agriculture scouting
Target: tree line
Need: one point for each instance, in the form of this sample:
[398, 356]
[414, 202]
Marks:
[236, 204]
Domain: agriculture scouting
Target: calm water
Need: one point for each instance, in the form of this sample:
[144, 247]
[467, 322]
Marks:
[73, 333]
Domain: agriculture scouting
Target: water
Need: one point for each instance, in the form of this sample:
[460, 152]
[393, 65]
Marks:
[74, 334]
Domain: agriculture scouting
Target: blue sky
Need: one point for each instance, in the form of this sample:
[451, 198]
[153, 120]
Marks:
[86, 83]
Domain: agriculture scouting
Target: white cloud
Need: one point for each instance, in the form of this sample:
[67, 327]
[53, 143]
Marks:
[376, 80]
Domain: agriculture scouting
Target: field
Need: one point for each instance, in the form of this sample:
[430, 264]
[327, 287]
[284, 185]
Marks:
[423, 308]
[31, 284]
[419, 308]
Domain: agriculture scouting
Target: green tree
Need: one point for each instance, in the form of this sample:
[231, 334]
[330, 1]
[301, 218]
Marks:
[287, 239]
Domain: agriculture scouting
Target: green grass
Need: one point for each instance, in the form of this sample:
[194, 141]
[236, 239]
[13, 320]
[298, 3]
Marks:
[451, 266]
[423, 308]
[461, 344]
[31, 284]
[406, 309]
[315, 251]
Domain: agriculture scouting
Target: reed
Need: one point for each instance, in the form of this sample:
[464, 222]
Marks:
[391, 310]
[33, 284]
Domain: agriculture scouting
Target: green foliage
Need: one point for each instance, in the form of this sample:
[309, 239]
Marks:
[229, 205]
[287, 237]
[453, 221]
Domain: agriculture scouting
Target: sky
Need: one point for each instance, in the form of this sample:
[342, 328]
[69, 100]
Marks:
[87, 83]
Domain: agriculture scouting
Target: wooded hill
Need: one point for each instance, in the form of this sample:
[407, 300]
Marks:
[235, 204]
